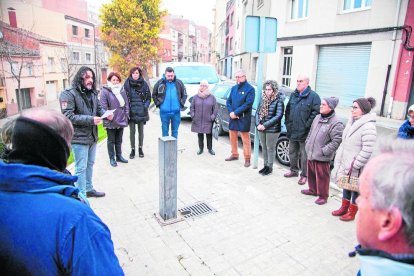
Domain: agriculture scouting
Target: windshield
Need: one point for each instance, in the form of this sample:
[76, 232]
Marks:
[194, 74]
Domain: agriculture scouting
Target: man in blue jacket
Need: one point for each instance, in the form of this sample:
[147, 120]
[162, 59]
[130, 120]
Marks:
[169, 95]
[45, 228]
[239, 106]
[302, 108]
[385, 224]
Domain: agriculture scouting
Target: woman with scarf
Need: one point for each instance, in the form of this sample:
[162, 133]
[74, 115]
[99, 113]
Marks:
[139, 96]
[112, 98]
[203, 111]
[268, 117]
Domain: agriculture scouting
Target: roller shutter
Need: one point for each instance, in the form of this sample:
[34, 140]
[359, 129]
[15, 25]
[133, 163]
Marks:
[342, 72]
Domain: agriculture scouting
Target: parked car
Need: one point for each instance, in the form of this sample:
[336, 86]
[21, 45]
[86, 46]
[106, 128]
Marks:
[222, 90]
[191, 73]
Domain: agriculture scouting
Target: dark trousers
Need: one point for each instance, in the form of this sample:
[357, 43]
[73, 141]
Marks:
[114, 142]
[318, 178]
[347, 194]
[209, 138]
[296, 150]
[140, 126]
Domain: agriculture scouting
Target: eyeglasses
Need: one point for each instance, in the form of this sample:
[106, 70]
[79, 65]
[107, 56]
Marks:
[238, 77]
[354, 107]
[300, 80]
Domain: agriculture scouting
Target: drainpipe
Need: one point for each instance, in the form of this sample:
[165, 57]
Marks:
[394, 36]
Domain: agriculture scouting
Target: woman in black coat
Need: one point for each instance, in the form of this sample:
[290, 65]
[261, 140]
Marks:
[268, 122]
[139, 97]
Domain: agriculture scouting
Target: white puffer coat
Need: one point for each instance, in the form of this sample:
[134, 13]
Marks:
[358, 141]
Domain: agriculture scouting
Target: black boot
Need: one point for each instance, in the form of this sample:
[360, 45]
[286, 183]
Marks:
[113, 162]
[119, 158]
[200, 151]
[132, 155]
[141, 153]
[268, 171]
[262, 170]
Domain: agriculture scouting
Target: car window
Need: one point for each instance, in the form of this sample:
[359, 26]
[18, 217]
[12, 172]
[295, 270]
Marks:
[220, 91]
[195, 74]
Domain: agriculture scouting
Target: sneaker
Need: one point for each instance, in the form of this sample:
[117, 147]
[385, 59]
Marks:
[95, 193]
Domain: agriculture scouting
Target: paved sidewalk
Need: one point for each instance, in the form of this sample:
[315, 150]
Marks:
[263, 225]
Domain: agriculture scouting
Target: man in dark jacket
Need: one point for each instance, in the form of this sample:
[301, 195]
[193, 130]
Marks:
[45, 228]
[239, 105]
[169, 95]
[302, 108]
[81, 106]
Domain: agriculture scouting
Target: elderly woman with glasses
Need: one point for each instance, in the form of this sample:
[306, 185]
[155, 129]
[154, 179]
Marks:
[406, 130]
[268, 117]
[203, 112]
[358, 140]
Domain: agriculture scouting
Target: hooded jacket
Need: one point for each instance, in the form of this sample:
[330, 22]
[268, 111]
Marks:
[46, 230]
[160, 88]
[300, 111]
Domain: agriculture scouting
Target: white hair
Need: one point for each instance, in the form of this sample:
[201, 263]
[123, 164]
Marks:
[241, 71]
[204, 82]
[392, 184]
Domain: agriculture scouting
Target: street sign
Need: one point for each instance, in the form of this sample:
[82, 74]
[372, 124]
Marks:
[253, 31]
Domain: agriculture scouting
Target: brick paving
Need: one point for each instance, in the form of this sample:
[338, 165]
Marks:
[263, 225]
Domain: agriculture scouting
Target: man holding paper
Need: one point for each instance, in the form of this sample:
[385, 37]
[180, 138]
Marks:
[81, 106]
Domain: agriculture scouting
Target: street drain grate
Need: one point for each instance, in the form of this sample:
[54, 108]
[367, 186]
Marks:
[196, 210]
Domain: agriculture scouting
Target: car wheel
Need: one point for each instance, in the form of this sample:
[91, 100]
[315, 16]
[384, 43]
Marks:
[282, 151]
[221, 131]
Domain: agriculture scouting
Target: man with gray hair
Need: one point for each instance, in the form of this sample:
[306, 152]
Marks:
[385, 224]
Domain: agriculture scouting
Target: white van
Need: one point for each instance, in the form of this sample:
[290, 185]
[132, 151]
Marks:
[191, 73]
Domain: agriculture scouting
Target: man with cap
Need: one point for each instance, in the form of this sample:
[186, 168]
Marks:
[323, 140]
[45, 228]
[302, 108]
[406, 130]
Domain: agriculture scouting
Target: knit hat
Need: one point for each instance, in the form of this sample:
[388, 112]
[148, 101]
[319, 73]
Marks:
[411, 109]
[366, 104]
[332, 102]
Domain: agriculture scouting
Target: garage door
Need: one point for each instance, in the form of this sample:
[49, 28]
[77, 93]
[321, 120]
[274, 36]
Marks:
[342, 72]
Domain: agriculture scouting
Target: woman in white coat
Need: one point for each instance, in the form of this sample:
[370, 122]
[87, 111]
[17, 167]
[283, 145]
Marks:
[358, 140]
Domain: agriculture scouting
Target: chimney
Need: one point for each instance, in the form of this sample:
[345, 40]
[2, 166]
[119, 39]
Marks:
[12, 17]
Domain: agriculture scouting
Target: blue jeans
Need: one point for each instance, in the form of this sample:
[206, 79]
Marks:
[174, 119]
[84, 160]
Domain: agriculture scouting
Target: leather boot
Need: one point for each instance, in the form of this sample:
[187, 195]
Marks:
[132, 154]
[262, 170]
[343, 209]
[350, 215]
[268, 171]
[141, 153]
[113, 162]
[121, 159]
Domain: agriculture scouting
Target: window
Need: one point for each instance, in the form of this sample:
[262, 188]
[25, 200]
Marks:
[74, 30]
[51, 64]
[260, 3]
[29, 69]
[88, 57]
[287, 65]
[87, 33]
[352, 5]
[299, 9]
[14, 68]
[76, 57]
[63, 64]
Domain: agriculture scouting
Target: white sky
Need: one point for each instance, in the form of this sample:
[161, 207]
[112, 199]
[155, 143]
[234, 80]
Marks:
[199, 11]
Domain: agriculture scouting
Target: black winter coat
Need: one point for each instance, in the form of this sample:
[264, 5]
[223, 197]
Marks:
[139, 99]
[78, 109]
[272, 122]
[300, 112]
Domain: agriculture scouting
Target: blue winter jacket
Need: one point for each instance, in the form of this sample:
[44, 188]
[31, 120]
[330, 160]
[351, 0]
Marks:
[46, 230]
[406, 131]
[240, 102]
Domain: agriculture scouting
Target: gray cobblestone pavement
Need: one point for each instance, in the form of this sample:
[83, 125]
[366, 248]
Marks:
[263, 225]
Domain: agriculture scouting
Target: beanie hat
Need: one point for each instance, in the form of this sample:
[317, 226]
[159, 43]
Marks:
[332, 102]
[366, 104]
[411, 108]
